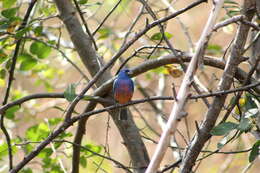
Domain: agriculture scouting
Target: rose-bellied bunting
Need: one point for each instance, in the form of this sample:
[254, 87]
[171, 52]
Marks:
[123, 89]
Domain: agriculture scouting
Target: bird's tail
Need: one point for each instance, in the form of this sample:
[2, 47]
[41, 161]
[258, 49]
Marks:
[123, 114]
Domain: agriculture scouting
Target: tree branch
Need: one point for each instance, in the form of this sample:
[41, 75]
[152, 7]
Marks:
[182, 96]
[218, 102]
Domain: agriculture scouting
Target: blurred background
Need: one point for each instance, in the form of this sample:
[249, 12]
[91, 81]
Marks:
[54, 74]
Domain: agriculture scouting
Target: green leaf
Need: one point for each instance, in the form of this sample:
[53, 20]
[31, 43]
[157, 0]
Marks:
[3, 56]
[51, 10]
[28, 148]
[160, 70]
[223, 128]
[83, 161]
[250, 104]
[159, 36]
[40, 50]
[2, 73]
[214, 49]
[233, 12]
[104, 33]
[24, 57]
[244, 125]
[38, 30]
[10, 113]
[4, 150]
[70, 92]
[230, 2]
[46, 152]
[21, 32]
[37, 132]
[26, 170]
[8, 64]
[254, 152]
[28, 64]
[9, 13]
[8, 3]
[54, 121]
[88, 97]
[91, 147]
[82, 1]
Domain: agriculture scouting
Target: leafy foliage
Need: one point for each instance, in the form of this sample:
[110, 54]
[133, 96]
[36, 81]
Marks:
[255, 151]
[41, 67]
[223, 128]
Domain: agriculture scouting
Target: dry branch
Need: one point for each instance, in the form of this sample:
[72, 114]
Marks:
[225, 83]
[183, 91]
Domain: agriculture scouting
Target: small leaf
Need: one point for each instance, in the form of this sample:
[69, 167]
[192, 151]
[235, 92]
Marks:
[10, 113]
[9, 13]
[91, 147]
[70, 92]
[88, 97]
[26, 170]
[28, 64]
[214, 49]
[40, 50]
[24, 57]
[159, 36]
[38, 30]
[2, 74]
[8, 3]
[21, 32]
[254, 152]
[250, 104]
[3, 56]
[82, 1]
[37, 132]
[46, 152]
[83, 161]
[104, 33]
[54, 121]
[230, 2]
[244, 125]
[4, 149]
[160, 70]
[223, 128]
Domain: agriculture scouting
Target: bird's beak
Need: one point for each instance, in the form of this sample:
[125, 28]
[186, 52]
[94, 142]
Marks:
[130, 73]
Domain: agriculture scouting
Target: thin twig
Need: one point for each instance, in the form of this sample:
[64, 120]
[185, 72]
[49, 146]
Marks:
[107, 16]
[85, 24]
[10, 80]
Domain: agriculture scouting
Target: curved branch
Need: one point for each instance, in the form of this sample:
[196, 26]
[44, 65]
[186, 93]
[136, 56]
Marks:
[240, 75]
[50, 95]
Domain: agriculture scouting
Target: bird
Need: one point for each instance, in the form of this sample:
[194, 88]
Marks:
[123, 89]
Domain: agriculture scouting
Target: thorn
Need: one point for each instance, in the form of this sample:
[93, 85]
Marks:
[146, 22]
[197, 127]
[174, 92]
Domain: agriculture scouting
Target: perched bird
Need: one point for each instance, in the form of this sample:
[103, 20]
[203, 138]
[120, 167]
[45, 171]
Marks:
[123, 89]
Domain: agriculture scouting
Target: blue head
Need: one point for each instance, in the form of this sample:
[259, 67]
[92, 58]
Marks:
[124, 73]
